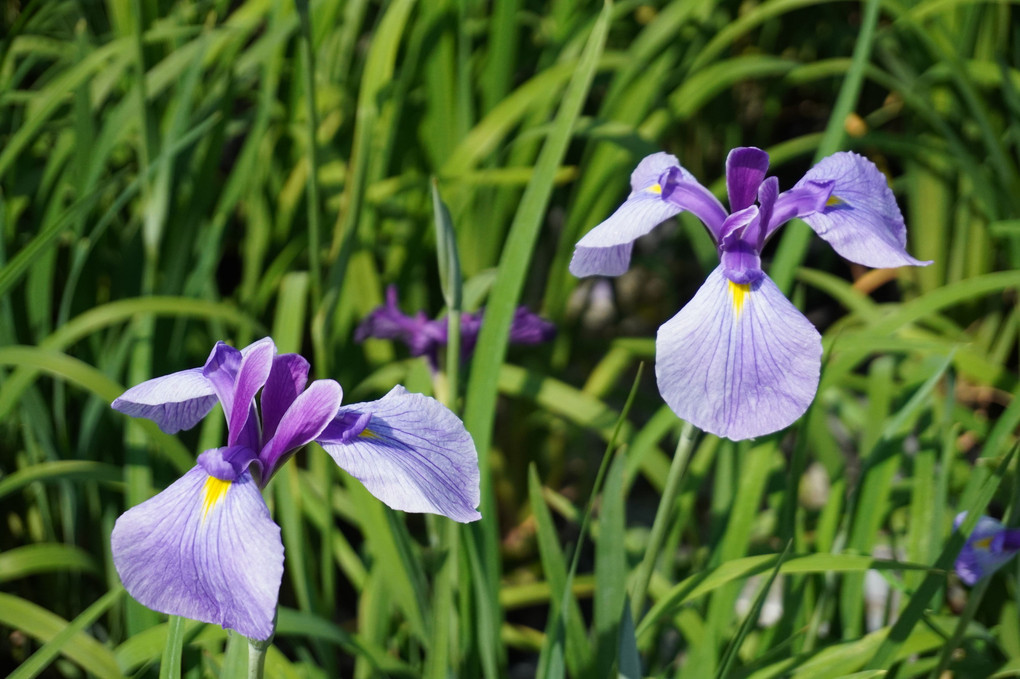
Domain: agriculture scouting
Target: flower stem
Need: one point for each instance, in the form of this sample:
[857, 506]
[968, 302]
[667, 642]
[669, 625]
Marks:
[663, 514]
[256, 658]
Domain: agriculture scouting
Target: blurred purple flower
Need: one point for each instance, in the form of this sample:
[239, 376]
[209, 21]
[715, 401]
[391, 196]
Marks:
[206, 548]
[739, 360]
[988, 548]
[424, 337]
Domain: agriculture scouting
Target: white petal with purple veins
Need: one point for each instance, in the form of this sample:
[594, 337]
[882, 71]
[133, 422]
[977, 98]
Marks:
[414, 454]
[176, 401]
[204, 549]
[862, 221]
[739, 360]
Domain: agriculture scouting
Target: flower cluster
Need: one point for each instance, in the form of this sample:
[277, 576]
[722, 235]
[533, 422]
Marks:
[424, 337]
[206, 548]
[988, 548]
[740, 360]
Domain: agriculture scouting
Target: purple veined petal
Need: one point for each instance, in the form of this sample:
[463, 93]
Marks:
[745, 171]
[237, 382]
[304, 420]
[411, 452]
[739, 360]
[609, 261]
[176, 401]
[862, 221]
[204, 549]
[661, 189]
[286, 380]
[606, 249]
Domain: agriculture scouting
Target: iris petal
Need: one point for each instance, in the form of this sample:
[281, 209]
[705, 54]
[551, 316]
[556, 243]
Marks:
[304, 420]
[862, 221]
[176, 401]
[204, 549]
[986, 549]
[660, 189]
[745, 171]
[739, 360]
[414, 454]
[287, 379]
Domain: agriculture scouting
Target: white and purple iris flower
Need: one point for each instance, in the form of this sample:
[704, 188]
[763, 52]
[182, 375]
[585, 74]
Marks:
[988, 548]
[739, 360]
[206, 548]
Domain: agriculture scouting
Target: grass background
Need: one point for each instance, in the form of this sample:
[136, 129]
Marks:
[174, 173]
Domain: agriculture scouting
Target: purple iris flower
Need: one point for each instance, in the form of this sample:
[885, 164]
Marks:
[739, 360]
[424, 337]
[988, 548]
[206, 548]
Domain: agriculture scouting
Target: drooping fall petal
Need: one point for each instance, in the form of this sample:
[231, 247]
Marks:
[739, 360]
[204, 549]
[410, 451]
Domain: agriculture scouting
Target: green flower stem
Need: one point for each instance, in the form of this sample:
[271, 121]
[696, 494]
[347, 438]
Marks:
[663, 514]
[257, 658]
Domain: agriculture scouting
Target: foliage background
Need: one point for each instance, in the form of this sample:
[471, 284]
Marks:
[173, 173]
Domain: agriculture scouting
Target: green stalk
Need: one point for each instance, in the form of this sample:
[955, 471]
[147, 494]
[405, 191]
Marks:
[256, 658]
[643, 574]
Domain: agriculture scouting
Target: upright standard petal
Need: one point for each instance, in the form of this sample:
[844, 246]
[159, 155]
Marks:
[739, 360]
[287, 379]
[861, 220]
[176, 401]
[237, 377]
[304, 420]
[410, 451]
[204, 549]
[745, 171]
[660, 190]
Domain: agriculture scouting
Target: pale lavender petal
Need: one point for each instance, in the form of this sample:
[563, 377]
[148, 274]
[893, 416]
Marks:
[660, 190]
[611, 261]
[638, 215]
[287, 379]
[304, 420]
[411, 452]
[738, 361]
[648, 171]
[745, 171]
[203, 549]
[863, 222]
[176, 401]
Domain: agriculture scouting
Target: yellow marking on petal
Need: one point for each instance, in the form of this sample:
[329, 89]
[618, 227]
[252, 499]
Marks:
[215, 490]
[739, 292]
[655, 188]
[983, 543]
[368, 434]
[834, 200]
